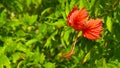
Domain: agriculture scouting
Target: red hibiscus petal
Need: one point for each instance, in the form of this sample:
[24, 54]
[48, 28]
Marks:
[76, 18]
[83, 13]
[69, 22]
[92, 29]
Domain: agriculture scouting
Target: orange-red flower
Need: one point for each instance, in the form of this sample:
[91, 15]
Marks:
[76, 18]
[92, 29]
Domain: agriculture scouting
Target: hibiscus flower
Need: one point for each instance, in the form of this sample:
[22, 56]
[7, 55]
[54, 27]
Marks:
[76, 18]
[92, 29]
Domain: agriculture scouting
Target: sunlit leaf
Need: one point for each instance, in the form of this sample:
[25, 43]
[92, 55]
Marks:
[28, 2]
[109, 23]
[2, 18]
[21, 33]
[42, 58]
[29, 42]
[4, 61]
[15, 57]
[49, 65]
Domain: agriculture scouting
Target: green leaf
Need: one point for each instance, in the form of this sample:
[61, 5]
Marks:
[20, 33]
[19, 6]
[30, 20]
[2, 49]
[33, 19]
[42, 58]
[84, 3]
[3, 18]
[72, 4]
[4, 61]
[37, 2]
[28, 2]
[48, 42]
[43, 28]
[81, 3]
[67, 8]
[29, 42]
[15, 57]
[9, 45]
[87, 57]
[116, 28]
[46, 10]
[64, 15]
[66, 35]
[92, 3]
[59, 23]
[49, 65]
[109, 23]
[21, 47]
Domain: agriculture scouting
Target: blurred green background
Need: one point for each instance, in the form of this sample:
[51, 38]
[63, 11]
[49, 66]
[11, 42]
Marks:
[34, 34]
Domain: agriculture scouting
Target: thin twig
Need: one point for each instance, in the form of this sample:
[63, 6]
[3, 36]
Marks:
[69, 54]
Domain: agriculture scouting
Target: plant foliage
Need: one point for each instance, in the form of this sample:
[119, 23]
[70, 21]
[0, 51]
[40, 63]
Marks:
[34, 34]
